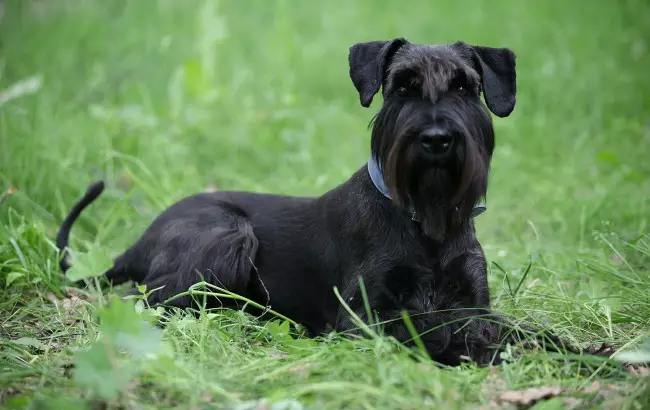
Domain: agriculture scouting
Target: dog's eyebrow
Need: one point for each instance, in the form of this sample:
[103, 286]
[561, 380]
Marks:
[460, 75]
[404, 75]
[469, 76]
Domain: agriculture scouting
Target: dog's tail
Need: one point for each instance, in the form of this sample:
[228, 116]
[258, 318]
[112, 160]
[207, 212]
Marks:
[94, 190]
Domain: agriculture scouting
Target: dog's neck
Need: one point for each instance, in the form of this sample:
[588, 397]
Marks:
[377, 177]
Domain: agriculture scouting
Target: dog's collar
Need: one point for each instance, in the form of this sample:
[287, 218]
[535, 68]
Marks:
[377, 178]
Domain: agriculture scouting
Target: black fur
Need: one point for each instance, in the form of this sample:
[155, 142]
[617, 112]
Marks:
[290, 252]
[93, 191]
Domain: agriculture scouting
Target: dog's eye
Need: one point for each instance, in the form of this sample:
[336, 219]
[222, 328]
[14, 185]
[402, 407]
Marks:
[468, 88]
[402, 91]
[459, 84]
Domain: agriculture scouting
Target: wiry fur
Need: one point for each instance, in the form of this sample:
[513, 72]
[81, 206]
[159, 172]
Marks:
[289, 253]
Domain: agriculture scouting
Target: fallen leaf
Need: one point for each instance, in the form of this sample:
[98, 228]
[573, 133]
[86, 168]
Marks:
[69, 304]
[593, 388]
[616, 260]
[301, 369]
[529, 396]
[125, 180]
[74, 292]
[277, 354]
[639, 371]
[597, 391]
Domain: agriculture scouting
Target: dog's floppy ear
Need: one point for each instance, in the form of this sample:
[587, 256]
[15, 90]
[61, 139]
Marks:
[368, 63]
[498, 75]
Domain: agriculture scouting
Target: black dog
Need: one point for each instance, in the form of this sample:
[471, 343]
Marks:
[403, 222]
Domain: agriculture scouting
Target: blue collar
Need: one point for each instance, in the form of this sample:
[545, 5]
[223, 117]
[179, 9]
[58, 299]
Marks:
[378, 180]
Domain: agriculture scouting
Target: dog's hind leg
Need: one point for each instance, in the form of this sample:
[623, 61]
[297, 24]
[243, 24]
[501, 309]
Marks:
[182, 252]
[118, 273]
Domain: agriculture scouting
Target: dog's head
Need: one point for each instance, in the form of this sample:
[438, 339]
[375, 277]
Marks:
[433, 137]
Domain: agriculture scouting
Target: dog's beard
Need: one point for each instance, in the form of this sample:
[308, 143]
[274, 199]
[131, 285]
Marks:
[443, 197]
[431, 199]
[416, 186]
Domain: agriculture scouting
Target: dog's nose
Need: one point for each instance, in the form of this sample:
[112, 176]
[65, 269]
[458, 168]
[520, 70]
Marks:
[437, 141]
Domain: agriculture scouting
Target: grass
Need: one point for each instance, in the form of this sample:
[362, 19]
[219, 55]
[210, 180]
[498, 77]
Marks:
[163, 99]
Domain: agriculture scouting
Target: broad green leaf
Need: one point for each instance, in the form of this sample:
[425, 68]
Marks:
[197, 79]
[640, 355]
[279, 330]
[139, 306]
[101, 370]
[608, 157]
[11, 278]
[300, 344]
[120, 323]
[104, 369]
[93, 263]
[18, 402]
[28, 341]
[555, 403]
[147, 341]
[634, 357]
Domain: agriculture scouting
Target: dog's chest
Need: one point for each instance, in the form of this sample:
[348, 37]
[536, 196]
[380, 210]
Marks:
[420, 277]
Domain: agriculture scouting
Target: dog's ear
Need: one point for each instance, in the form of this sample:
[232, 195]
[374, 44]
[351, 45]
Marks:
[498, 75]
[368, 64]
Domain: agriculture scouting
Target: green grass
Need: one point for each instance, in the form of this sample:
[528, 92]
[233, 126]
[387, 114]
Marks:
[165, 98]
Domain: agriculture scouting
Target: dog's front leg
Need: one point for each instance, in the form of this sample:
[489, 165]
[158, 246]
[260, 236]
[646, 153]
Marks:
[403, 289]
[487, 332]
